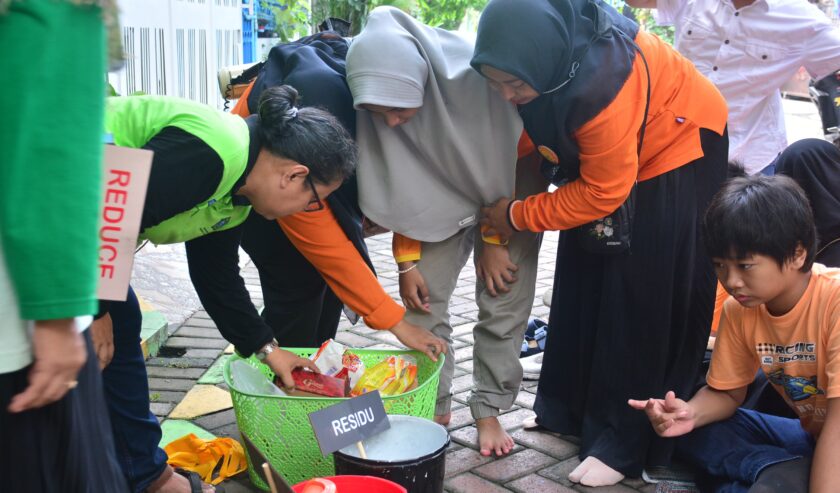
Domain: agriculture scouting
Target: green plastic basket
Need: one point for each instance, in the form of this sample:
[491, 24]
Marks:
[279, 426]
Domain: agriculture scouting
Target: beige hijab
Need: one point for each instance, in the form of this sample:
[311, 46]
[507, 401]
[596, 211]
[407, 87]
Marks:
[427, 178]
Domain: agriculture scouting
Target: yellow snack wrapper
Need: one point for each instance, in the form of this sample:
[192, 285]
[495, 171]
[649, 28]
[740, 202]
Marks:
[392, 376]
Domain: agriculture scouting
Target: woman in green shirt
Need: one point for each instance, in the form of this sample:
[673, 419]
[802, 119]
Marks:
[54, 429]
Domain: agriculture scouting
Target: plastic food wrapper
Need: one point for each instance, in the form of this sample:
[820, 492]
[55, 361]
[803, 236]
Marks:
[248, 379]
[353, 368]
[317, 383]
[335, 360]
[328, 357]
[394, 375]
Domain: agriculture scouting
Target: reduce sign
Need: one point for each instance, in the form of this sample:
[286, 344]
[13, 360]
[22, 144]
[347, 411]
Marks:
[349, 422]
[126, 177]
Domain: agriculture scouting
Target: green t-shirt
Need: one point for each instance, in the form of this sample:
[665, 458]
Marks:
[50, 167]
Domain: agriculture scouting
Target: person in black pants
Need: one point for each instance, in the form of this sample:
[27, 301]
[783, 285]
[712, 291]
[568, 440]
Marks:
[306, 280]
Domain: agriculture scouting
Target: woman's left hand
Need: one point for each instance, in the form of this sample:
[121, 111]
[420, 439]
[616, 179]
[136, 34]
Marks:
[495, 268]
[495, 217]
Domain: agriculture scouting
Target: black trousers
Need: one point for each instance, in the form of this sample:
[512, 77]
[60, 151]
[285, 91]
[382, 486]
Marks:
[299, 306]
[64, 447]
[632, 325]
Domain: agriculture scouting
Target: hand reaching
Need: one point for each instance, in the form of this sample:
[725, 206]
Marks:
[495, 217]
[420, 339]
[670, 417]
[282, 363]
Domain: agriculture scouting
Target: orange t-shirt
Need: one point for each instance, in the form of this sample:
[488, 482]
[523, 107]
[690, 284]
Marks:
[319, 237]
[681, 102]
[798, 351]
[406, 249]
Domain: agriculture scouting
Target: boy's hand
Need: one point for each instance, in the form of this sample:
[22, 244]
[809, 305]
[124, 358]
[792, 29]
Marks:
[282, 363]
[419, 338]
[413, 290]
[670, 417]
[495, 268]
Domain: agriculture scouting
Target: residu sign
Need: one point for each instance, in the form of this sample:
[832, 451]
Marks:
[349, 422]
[125, 178]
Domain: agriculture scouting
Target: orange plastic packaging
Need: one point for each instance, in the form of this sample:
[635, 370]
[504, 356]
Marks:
[392, 376]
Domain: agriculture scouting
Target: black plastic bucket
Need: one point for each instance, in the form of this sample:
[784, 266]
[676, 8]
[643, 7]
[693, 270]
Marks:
[412, 453]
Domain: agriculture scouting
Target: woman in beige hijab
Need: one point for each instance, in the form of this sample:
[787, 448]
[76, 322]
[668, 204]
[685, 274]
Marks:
[436, 144]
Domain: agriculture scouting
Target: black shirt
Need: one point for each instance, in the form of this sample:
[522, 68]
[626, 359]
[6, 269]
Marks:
[186, 171]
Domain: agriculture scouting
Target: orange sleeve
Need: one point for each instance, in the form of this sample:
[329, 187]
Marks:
[405, 249]
[319, 237]
[734, 361]
[241, 106]
[526, 145]
[491, 239]
[832, 365]
[608, 166]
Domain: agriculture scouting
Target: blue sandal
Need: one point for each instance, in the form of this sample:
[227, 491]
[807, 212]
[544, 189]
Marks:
[535, 334]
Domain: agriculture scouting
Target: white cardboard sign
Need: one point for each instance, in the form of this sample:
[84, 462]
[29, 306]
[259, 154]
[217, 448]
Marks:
[126, 176]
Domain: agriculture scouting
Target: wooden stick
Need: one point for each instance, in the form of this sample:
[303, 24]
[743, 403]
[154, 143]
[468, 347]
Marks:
[269, 477]
[361, 450]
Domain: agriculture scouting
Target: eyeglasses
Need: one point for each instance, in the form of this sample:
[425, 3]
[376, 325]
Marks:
[315, 204]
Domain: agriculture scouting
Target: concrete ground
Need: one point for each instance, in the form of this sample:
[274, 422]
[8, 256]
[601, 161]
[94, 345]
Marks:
[188, 394]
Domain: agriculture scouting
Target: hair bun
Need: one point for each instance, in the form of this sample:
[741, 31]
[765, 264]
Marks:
[277, 108]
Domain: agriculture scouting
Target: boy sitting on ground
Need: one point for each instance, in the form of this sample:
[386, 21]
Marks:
[783, 317]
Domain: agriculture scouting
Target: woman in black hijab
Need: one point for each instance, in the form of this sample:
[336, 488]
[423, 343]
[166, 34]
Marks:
[314, 263]
[619, 118]
[815, 165]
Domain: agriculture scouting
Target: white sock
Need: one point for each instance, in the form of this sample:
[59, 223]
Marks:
[593, 472]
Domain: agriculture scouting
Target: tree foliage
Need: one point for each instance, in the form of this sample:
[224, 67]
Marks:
[355, 11]
[447, 14]
[293, 17]
[645, 19]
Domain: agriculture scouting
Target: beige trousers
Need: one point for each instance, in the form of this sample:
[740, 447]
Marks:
[502, 319]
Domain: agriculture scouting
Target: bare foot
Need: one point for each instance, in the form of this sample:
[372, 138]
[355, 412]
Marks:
[180, 484]
[492, 437]
[443, 419]
[593, 472]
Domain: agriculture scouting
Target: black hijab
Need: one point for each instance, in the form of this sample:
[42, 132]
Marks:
[815, 165]
[577, 53]
[314, 65]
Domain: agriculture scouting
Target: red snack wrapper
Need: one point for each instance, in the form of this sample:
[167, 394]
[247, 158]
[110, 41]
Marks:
[320, 384]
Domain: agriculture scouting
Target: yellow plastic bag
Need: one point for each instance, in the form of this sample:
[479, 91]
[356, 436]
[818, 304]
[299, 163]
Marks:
[392, 376]
[203, 456]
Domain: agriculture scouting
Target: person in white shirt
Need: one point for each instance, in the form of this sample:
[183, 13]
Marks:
[749, 49]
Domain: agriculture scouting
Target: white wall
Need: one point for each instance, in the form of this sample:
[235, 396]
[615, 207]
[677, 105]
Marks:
[175, 47]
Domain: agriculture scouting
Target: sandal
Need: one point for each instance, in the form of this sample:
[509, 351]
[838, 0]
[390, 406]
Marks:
[534, 341]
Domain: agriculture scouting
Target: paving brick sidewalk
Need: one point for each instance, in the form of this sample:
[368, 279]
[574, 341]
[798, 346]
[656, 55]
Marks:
[540, 462]
[191, 360]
